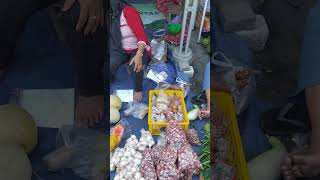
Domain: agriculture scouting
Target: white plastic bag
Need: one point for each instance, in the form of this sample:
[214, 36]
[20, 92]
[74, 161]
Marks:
[83, 150]
[137, 110]
[226, 70]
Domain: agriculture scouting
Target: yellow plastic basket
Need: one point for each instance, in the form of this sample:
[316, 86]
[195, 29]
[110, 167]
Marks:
[155, 127]
[223, 103]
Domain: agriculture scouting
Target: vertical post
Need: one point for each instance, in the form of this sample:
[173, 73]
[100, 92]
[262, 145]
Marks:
[202, 19]
[185, 15]
[192, 20]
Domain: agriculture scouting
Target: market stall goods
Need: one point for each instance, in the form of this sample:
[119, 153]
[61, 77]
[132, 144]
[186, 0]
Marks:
[14, 164]
[188, 161]
[115, 136]
[173, 159]
[17, 127]
[128, 161]
[114, 115]
[194, 113]
[115, 101]
[166, 107]
[147, 166]
[192, 137]
[175, 135]
[18, 137]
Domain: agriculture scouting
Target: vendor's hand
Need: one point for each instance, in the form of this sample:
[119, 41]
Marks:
[91, 14]
[204, 113]
[137, 96]
[89, 110]
[137, 60]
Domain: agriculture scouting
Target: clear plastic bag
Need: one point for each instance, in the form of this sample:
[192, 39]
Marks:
[225, 71]
[159, 50]
[137, 110]
[83, 150]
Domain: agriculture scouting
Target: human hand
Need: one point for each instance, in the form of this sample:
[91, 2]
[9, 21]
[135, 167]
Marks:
[91, 14]
[204, 113]
[137, 96]
[89, 110]
[137, 60]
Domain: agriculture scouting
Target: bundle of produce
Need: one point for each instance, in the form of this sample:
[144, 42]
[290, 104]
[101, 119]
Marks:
[128, 161]
[188, 161]
[175, 135]
[167, 171]
[166, 107]
[147, 166]
[192, 137]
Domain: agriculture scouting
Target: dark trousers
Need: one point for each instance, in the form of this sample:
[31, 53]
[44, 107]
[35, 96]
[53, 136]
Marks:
[117, 58]
[88, 52]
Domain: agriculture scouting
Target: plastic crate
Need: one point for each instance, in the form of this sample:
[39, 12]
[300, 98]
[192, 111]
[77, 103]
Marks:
[156, 127]
[223, 103]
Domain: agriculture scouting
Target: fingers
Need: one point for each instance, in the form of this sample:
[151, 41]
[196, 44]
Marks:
[135, 67]
[67, 5]
[83, 17]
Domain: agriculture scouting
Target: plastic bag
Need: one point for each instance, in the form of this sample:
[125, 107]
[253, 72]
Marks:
[163, 72]
[226, 71]
[137, 110]
[180, 85]
[159, 51]
[83, 151]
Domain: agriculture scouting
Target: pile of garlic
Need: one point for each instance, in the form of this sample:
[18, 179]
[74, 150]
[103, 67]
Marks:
[126, 161]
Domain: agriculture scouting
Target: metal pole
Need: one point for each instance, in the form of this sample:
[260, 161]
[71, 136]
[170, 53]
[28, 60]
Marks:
[202, 19]
[185, 15]
[192, 20]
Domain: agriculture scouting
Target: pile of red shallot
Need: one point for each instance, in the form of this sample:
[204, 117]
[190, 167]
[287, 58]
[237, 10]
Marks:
[173, 160]
[166, 107]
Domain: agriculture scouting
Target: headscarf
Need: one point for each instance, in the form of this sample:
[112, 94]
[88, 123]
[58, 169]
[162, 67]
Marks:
[115, 33]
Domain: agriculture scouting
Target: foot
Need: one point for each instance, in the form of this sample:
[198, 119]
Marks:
[89, 111]
[137, 96]
[302, 164]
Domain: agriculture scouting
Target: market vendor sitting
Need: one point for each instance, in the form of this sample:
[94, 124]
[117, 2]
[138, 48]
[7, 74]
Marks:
[205, 113]
[128, 43]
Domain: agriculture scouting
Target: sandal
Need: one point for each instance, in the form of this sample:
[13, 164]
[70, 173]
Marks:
[292, 118]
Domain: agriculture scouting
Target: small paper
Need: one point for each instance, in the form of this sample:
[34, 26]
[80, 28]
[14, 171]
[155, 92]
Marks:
[125, 95]
[50, 108]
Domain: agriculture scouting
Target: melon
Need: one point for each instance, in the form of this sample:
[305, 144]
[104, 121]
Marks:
[17, 127]
[114, 115]
[14, 164]
[115, 101]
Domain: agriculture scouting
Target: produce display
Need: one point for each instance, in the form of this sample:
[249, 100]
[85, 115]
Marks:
[18, 137]
[115, 106]
[166, 107]
[174, 159]
[127, 161]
